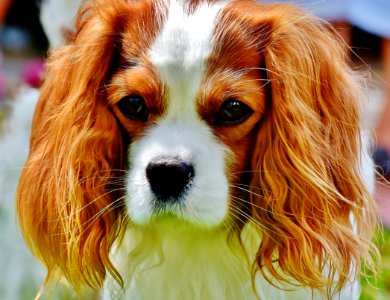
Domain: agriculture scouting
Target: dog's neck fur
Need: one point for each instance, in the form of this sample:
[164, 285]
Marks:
[172, 262]
[175, 264]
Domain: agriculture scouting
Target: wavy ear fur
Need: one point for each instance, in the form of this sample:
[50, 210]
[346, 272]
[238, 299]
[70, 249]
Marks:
[318, 214]
[67, 210]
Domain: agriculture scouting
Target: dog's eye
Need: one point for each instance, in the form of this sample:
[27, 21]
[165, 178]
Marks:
[134, 107]
[233, 112]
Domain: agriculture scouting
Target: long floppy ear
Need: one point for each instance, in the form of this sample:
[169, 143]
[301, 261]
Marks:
[319, 216]
[67, 210]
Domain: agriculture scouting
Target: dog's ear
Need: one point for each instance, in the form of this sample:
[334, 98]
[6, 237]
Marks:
[67, 209]
[317, 213]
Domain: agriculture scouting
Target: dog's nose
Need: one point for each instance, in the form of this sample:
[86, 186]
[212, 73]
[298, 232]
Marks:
[168, 177]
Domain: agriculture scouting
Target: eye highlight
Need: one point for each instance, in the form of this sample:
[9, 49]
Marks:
[232, 112]
[134, 107]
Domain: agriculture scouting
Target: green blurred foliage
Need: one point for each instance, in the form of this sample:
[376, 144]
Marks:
[378, 288]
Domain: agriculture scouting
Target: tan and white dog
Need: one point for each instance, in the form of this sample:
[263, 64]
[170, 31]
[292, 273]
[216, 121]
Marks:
[200, 150]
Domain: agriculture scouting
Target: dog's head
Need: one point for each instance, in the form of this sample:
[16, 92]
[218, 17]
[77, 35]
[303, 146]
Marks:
[212, 113]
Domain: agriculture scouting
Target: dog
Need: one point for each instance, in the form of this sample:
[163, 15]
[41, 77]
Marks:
[200, 150]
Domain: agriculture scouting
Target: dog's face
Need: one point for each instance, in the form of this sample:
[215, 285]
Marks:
[213, 113]
[189, 113]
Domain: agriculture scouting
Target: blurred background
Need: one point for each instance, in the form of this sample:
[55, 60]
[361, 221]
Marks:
[24, 46]
[22, 41]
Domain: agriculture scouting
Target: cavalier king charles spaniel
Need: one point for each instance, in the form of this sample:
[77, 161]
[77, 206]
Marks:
[200, 150]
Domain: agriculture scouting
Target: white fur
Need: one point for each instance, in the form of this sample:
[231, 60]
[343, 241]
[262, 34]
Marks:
[172, 260]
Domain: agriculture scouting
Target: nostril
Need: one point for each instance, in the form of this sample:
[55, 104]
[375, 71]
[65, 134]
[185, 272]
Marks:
[168, 177]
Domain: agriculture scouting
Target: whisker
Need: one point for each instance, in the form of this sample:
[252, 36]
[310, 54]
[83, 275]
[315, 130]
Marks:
[110, 207]
[85, 206]
[256, 223]
[259, 207]
[260, 69]
[92, 175]
[248, 190]
[254, 171]
[243, 185]
[114, 182]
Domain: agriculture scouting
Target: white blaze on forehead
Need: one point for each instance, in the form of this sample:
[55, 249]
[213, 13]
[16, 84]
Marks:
[182, 47]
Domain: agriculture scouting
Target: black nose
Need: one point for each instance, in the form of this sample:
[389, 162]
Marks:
[168, 177]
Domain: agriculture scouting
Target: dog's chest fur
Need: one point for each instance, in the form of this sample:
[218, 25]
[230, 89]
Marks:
[175, 264]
